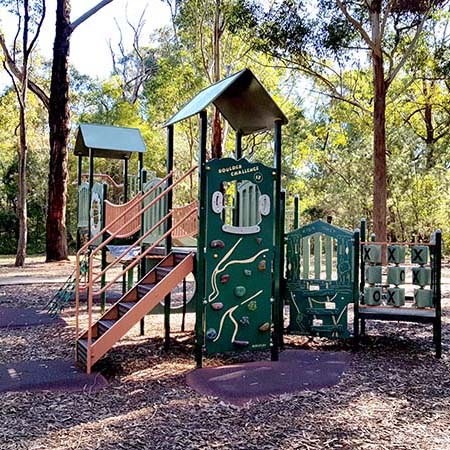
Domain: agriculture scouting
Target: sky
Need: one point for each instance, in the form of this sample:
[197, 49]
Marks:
[89, 50]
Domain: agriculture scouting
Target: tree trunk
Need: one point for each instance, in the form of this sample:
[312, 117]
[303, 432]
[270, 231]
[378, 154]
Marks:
[59, 123]
[22, 183]
[379, 149]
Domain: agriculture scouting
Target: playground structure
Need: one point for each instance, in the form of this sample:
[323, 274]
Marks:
[242, 277]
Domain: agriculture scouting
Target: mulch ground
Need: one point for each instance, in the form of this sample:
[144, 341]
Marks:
[393, 395]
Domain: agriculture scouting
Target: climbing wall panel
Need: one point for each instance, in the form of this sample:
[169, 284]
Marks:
[238, 256]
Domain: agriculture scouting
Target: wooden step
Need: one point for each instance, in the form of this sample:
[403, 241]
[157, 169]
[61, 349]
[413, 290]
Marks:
[82, 350]
[178, 257]
[105, 325]
[143, 289]
[161, 272]
[124, 307]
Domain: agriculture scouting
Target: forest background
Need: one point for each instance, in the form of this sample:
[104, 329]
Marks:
[315, 60]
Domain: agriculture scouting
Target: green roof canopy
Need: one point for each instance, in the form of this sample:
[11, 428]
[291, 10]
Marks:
[108, 141]
[241, 99]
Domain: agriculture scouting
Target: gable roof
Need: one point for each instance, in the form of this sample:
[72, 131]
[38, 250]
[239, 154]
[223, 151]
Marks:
[242, 100]
[108, 141]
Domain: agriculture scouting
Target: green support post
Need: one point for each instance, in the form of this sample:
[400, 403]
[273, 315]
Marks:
[91, 185]
[437, 326]
[277, 320]
[296, 212]
[362, 270]
[79, 179]
[282, 278]
[104, 263]
[238, 149]
[125, 180]
[169, 167]
[356, 287]
[200, 299]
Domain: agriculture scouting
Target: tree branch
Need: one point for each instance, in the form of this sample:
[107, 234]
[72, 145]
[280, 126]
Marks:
[408, 51]
[43, 97]
[357, 25]
[38, 29]
[88, 14]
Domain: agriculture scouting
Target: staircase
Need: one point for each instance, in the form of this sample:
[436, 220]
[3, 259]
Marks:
[103, 333]
[132, 307]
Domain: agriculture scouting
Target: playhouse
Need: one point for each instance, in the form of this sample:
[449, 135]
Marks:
[247, 269]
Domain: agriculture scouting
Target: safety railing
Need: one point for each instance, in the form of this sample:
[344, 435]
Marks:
[120, 223]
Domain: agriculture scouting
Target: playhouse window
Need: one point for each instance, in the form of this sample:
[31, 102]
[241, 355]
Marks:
[241, 203]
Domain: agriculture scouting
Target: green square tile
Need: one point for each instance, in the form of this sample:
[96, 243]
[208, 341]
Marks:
[396, 254]
[420, 254]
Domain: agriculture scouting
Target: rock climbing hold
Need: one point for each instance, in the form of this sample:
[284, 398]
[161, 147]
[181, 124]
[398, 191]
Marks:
[239, 291]
[264, 327]
[217, 306]
[224, 278]
[245, 321]
[262, 265]
[211, 334]
[252, 305]
[217, 243]
[247, 272]
[241, 343]
[258, 240]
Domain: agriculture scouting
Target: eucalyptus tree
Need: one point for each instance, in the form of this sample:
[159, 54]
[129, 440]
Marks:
[57, 104]
[323, 39]
[30, 17]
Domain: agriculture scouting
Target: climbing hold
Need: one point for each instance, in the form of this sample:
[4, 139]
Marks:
[258, 240]
[241, 343]
[252, 305]
[262, 265]
[264, 327]
[217, 243]
[239, 291]
[211, 334]
[217, 306]
[247, 272]
[224, 278]
[245, 321]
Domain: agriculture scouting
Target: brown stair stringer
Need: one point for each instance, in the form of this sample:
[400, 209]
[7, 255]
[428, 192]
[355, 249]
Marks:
[143, 306]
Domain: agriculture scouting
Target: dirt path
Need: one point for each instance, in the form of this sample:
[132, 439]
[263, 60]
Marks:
[395, 395]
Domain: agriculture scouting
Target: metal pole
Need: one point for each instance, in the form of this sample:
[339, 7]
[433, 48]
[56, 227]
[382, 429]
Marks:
[91, 185]
[238, 149]
[281, 270]
[277, 320]
[125, 180]
[296, 212]
[437, 326]
[169, 168]
[140, 171]
[79, 179]
[356, 245]
[201, 292]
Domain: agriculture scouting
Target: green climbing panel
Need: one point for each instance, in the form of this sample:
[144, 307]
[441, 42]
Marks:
[319, 284]
[238, 255]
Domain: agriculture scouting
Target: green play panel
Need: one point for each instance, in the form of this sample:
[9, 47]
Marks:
[239, 255]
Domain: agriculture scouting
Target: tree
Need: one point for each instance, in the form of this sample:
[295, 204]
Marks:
[57, 104]
[30, 19]
[322, 40]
